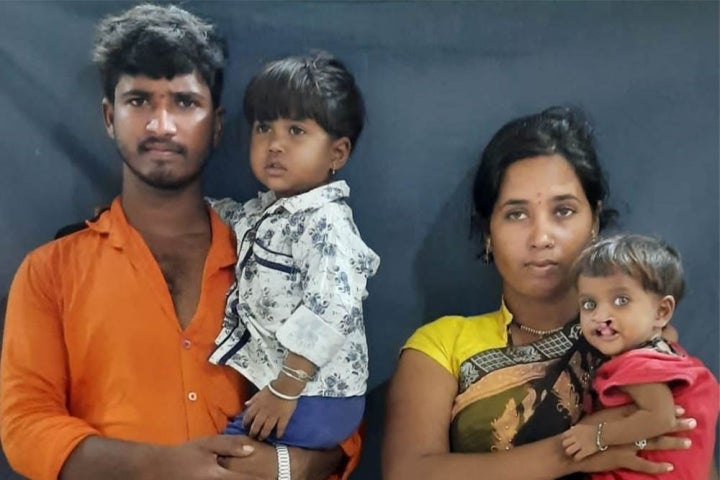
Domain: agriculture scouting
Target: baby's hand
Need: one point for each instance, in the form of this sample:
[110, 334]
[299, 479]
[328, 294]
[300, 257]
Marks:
[579, 441]
[266, 413]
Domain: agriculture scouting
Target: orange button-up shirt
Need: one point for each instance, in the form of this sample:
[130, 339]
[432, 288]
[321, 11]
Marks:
[92, 346]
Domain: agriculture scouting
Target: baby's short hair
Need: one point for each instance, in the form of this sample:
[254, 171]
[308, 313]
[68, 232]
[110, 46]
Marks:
[317, 87]
[650, 261]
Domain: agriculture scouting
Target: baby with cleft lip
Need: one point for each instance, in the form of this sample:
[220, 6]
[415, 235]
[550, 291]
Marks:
[628, 288]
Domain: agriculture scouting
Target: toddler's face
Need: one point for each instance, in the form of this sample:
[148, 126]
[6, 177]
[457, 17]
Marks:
[292, 156]
[617, 314]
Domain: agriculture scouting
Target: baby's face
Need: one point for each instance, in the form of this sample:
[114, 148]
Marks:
[617, 314]
[292, 156]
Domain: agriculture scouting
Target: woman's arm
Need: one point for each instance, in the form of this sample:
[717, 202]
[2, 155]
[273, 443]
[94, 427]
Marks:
[654, 415]
[626, 456]
[416, 444]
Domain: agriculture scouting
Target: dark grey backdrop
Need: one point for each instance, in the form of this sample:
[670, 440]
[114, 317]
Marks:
[439, 78]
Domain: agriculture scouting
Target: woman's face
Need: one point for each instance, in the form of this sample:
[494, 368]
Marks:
[540, 222]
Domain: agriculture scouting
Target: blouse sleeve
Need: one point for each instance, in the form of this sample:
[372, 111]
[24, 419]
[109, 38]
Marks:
[437, 340]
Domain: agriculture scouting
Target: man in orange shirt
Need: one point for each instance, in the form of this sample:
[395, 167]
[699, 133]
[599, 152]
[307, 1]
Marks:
[108, 330]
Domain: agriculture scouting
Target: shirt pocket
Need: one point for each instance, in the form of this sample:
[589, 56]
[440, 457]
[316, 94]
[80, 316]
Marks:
[274, 286]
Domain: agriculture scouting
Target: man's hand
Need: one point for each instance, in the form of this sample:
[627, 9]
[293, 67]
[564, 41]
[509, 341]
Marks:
[198, 459]
[304, 464]
[579, 441]
[110, 459]
[266, 413]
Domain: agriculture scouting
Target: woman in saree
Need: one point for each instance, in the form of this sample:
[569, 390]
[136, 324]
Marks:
[487, 396]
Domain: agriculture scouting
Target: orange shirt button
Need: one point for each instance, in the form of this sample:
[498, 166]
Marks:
[186, 344]
[192, 396]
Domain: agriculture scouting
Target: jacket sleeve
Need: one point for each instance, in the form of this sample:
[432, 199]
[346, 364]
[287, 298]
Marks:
[334, 266]
[38, 433]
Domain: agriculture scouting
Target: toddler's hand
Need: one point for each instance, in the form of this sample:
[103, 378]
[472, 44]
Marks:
[579, 441]
[266, 413]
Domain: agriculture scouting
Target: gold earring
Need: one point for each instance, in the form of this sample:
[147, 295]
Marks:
[487, 252]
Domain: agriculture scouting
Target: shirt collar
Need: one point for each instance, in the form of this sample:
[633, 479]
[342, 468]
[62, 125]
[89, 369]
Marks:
[309, 200]
[114, 224]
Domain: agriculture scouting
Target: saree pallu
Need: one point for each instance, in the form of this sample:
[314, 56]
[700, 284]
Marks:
[515, 395]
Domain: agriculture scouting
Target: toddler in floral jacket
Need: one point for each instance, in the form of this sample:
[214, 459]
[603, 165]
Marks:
[293, 319]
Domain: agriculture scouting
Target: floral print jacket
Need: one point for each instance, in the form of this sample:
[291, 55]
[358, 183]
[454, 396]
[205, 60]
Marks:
[300, 281]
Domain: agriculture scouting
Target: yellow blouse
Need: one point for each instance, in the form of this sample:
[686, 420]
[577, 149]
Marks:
[453, 339]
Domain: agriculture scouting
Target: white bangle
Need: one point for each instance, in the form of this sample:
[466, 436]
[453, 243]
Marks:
[283, 458]
[289, 398]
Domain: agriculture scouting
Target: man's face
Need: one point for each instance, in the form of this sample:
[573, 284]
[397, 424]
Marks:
[164, 129]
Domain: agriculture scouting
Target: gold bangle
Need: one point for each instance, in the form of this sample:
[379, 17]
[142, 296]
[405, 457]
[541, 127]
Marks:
[297, 375]
[598, 441]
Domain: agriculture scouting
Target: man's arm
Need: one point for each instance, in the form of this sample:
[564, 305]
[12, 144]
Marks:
[335, 464]
[38, 433]
[108, 459]
[41, 439]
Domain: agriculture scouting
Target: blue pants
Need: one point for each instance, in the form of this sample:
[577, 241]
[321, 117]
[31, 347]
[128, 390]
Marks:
[316, 423]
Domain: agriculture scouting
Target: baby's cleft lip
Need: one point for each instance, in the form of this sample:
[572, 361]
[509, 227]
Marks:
[605, 330]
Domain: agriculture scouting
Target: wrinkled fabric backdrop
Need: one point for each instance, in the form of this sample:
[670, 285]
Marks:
[439, 79]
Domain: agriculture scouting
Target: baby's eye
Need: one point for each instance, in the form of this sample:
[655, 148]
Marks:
[295, 130]
[621, 300]
[262, 127]
[587, 305]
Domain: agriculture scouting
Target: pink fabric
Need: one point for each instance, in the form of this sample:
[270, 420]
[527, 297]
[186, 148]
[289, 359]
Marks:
[694, 388]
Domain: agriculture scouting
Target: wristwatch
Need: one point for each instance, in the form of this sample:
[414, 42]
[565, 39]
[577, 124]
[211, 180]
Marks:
[283, 457]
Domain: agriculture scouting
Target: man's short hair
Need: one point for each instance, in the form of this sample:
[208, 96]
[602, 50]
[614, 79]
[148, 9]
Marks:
[159, 42]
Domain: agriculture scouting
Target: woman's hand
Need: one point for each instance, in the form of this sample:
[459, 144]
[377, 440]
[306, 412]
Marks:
[626, 456]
